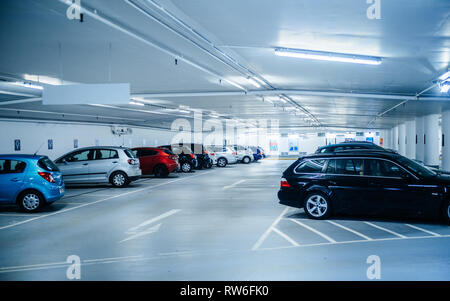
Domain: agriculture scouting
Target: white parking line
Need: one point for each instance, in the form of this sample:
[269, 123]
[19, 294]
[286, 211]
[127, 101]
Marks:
[384, 229]
[423, 230]
[350, 230]
[234, 184]
[151, 221]
[265, 234]
[293, 242]
[349, 242]
[99, 201]
[313, 230]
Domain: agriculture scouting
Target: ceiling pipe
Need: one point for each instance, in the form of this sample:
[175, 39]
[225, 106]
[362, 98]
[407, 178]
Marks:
[103, 19]
[235, 65]
[201, 37]
[416, 97]
[19, 101]
[11, 88]
[291, 92]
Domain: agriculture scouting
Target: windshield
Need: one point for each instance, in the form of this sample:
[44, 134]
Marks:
[416, 167]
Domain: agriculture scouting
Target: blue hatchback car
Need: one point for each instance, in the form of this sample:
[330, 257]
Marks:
[30, 181]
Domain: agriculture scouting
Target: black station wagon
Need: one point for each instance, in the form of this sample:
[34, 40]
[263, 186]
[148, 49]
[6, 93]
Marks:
[365, 183]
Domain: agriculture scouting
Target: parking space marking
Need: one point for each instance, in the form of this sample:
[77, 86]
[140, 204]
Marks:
[384, 229]
[350, 230]
[266, 234]
[285, 236]
[354, 242]
[234, 184]
[423, 230]
[313, 230]
[98, 201]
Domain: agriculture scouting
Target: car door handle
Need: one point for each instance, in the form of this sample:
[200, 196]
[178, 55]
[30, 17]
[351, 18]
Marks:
[115, 162]
[85, 164]
[15, 180]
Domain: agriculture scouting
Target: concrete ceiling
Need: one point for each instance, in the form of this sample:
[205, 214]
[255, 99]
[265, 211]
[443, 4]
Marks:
[218, 45]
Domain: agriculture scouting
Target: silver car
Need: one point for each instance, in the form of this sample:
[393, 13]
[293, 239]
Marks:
[100, 164]
[245, 154]
[222, 155]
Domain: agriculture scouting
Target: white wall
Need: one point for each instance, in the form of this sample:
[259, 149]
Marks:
[34, 134]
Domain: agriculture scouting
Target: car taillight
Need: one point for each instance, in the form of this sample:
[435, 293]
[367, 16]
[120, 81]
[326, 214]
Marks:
[192, 156]
[47, 176]
[212, 154]
[173, 157]
[285, 183]
[205, 152]
[133, 161]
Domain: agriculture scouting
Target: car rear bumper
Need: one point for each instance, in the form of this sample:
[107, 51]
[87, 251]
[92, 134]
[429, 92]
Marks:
[55, 193]
[172, 167]
[290, 198]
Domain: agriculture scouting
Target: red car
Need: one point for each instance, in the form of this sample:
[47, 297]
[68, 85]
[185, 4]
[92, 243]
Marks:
[156, 161]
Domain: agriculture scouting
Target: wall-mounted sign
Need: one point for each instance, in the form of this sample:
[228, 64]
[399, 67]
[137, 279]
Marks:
[50, 143]
[97, 142]
[75, 143]
[17, 145]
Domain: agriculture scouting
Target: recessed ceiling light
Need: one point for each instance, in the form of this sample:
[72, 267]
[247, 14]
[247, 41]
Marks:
[328, 56]
[253, 82]
[137, 103]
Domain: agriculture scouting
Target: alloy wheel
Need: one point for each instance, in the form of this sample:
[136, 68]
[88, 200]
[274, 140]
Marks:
[316, 205]
[31, 201]
[119, 179]
[186, 167]
[221, 162]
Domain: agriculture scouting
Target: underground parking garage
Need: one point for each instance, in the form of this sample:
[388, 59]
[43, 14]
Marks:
[169, 140]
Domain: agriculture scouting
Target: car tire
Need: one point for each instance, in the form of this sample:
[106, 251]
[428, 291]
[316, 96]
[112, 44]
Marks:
[246, 160]
[446, 212]
[186, 167]
[222, 162]
[119, 179]
[208, 165]
[161, 171]
[30, 201]
[317, 206]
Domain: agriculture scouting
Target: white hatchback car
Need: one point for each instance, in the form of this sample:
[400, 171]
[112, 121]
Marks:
[100, 164]
[222, 155]
[245, 154]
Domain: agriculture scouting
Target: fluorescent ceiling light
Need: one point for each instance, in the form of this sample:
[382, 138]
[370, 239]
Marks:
[137, 103]
[44, 79]
[253, 82]
[444, 87]
[328, 56]
[184, 111]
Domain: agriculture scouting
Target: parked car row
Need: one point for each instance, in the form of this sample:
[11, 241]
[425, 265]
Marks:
[364, 181]
[32, 181]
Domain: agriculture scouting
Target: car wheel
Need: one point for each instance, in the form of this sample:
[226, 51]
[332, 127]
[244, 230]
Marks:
[246, 160]
[222, 162]
[119, 179]
[446, 213]
[30, 201]
[317, 206]
[161, 171]
[186, 167]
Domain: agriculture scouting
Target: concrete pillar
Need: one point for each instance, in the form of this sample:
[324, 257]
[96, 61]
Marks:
[419, 139]
[386, 135]
[395, 136]
[410, 140]
[446, 140]
[431, 139]
[401, 139]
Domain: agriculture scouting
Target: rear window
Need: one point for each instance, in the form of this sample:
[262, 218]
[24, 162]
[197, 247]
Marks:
[310, 166]
[47, 164]
[129, 153]
[168, 152]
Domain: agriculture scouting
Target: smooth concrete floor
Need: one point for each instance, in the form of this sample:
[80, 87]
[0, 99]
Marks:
[218, 224]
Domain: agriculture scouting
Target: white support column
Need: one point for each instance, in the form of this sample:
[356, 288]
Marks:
[395, 140]
[431, 139]
[401, 139]
[410, 139]
[386, 135]
[446, 140]
[419, 145]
